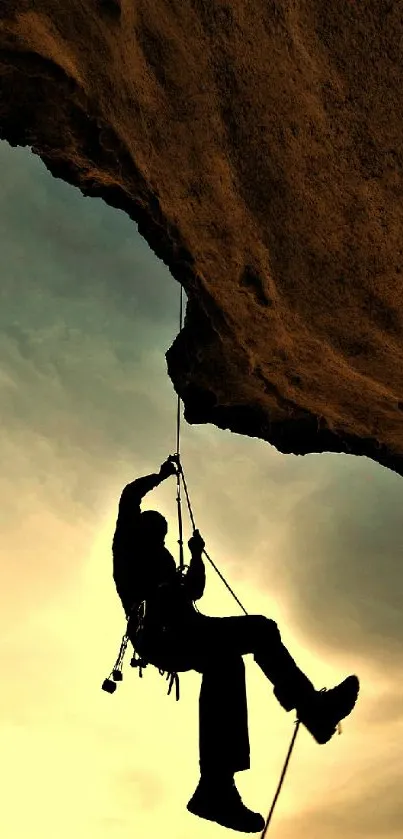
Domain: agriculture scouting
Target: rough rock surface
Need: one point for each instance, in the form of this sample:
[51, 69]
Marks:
[258, 144]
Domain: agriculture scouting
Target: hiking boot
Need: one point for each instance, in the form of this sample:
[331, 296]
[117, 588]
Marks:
[220, 802]
[322, 712]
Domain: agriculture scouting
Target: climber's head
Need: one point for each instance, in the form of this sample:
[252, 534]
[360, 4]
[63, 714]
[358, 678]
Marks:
[154, 526]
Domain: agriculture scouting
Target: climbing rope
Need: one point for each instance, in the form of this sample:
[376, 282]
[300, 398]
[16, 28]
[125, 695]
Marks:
[178, 432]
[282, 776]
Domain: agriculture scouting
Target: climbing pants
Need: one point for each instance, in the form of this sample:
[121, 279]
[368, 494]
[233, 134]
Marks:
[214, 647]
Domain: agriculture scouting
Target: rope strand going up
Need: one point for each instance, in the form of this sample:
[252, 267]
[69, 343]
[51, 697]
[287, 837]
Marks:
[178, 477]
[204, 550]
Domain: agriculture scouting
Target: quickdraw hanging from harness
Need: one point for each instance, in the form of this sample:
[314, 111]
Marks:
[116, 675]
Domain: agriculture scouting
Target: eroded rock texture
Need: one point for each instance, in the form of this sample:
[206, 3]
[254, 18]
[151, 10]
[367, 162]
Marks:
[259, 146]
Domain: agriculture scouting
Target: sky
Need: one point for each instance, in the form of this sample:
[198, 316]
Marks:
[87, 313]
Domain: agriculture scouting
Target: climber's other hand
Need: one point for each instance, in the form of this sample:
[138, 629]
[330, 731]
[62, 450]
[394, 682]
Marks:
[196, 543]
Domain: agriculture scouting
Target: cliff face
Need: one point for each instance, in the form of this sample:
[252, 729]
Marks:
[259, 147]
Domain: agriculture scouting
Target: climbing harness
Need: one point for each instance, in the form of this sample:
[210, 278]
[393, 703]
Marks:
[109, 684]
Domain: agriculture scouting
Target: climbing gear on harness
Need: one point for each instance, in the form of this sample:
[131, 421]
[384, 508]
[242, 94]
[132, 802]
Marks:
[109, 684]
[139, 612]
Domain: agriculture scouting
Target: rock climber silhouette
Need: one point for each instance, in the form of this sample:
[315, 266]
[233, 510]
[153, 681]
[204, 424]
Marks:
[144, 570]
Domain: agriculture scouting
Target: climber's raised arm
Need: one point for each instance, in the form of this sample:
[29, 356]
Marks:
[134, 492]
[127, 536]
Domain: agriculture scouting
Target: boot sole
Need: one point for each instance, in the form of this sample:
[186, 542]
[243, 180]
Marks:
[242, 825]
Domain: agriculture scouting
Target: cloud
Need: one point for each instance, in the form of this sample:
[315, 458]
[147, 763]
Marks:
[346, 549]
[56, 240]
[85, 311]
[373, 811]
[84, 393]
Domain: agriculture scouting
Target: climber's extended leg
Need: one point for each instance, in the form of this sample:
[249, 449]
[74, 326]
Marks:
[319, 711]
[224, 746]
[223, 717]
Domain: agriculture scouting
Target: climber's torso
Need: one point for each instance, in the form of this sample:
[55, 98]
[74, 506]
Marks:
[150, 575]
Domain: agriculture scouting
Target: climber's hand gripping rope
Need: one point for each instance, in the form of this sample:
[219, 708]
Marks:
[170, 466]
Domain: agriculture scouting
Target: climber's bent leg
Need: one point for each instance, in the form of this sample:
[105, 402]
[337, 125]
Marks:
[258, 635]
[223, 718]
[291, 685]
